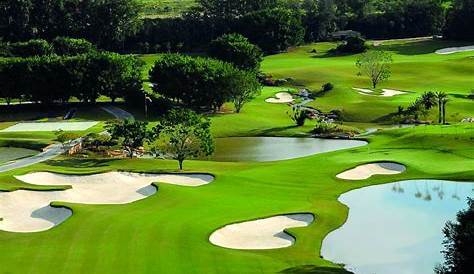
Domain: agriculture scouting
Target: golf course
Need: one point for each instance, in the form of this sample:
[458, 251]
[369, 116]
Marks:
[294, 149]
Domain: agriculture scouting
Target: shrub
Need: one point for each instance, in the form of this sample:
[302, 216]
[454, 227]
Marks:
[298, 115]
[353, 44]
[71, 46]
[327, 87]
[37, 47]
[323, 127]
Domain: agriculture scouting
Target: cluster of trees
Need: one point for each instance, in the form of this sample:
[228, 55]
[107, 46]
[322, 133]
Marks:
[105, 23]
[203, 83]
[180, 134]
[422, 105]
[55, 78]
[40, 47]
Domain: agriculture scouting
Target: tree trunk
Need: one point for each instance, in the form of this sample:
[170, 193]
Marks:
[444, 114]
[180, 164]
[439, 112]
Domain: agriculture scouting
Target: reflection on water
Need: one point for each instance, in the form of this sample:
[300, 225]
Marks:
[263, 149]
[396, 228]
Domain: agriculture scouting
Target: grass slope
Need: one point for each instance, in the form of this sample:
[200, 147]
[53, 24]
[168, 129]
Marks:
[168, 232]
[416, 68]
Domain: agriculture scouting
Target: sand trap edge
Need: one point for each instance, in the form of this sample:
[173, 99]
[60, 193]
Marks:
[285, 231]
[402, 167]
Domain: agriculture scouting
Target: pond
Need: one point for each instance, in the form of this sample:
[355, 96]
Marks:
[263, 149]
[396, 228]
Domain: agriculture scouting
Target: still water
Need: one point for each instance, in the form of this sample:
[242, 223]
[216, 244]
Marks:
[263, 149]
[396, 228]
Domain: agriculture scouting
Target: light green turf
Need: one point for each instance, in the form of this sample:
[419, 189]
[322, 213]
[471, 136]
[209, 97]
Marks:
[164, 8]
[168, 232]
[416, 68]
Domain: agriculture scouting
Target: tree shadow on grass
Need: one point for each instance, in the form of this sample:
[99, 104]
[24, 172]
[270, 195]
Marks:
[81, 163]
[273, 131]
[312, 269]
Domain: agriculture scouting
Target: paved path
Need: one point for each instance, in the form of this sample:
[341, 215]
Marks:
[50, 153]
[119, 113]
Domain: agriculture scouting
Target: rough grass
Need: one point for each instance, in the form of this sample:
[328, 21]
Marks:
[13, 153]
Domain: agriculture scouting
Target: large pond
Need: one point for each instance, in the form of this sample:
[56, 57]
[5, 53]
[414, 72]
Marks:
[396, 228]
[263, 149]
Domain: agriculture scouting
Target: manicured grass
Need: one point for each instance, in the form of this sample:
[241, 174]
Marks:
[168, 232]
[416, 68]
[13, 153]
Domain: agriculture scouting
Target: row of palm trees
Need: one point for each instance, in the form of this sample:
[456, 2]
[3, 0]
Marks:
[430, 99]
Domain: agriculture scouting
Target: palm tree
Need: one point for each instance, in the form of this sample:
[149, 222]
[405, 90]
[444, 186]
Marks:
[441, 97]
[444, 102]
[428, 99]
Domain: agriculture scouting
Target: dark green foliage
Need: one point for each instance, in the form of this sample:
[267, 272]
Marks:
[131, 135]
[36, 47]
[52, 78]
[236, 49]
[459, 243]
[352, 45]
[233, 8]
[106, 23]
[182, 134]
[273, 30]
[71, 46]
[327, 87]
[460, 21]
[298, 115]
[198, 82]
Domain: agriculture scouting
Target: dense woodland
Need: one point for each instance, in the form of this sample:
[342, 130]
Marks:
[273, 25]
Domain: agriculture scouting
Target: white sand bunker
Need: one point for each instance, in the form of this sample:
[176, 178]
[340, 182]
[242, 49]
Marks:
[281, 98]
[30, 211]
[265, 233]
[366, 171]
[385, 92]
[50, 126]
[455, 50]
[392, 92]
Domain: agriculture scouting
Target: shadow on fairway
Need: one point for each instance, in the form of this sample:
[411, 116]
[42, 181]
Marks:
[312, 269]
[80, 163]
[273, 131]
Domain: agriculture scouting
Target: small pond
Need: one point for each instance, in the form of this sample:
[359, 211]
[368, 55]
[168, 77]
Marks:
[263, 149]
[396, 228]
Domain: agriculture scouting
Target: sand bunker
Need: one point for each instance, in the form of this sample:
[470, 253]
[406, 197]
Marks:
[455, 50]
[281, 98]
[391, 92]
[265, 233]
[385, 92]
[50, 126]
[30, 211]
[366, 171]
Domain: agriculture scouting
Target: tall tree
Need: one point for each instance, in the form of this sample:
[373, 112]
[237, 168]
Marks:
[182, 134]
[460, 20]
[130, 134]
[442, 99]
[236, 49]
[376, 65]
[459, 243]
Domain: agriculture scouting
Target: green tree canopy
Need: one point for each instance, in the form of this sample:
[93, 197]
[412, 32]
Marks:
[182, 134]
[236, 49]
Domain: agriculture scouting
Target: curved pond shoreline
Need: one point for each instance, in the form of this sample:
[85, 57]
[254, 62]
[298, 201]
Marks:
[396, 228]
[266, 149]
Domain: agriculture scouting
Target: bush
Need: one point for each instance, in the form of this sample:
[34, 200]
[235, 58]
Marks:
[36, 47]
[298, 115]
[323, 127]
[71, 46]
[354, 44]
[327, 87]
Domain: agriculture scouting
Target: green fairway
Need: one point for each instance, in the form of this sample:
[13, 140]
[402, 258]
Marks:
[416, 69]
[168, 232]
